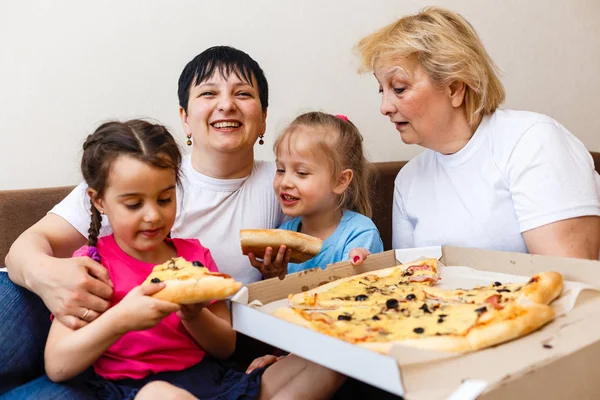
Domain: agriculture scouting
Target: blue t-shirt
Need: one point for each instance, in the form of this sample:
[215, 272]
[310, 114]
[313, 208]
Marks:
[355, 230]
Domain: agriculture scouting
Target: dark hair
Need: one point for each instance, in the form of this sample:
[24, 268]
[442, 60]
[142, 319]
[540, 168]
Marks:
[226, 60]
[341, 144]
[147, 142]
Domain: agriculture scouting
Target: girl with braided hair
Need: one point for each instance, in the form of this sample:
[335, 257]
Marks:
[132, 172]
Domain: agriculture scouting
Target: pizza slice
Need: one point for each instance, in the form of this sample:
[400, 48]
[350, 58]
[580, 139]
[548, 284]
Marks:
[256, 241]
[445, 327]
[190, 282]
[541, 288]
[402, 283]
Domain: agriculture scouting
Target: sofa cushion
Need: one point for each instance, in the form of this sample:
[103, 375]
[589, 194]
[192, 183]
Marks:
[20, 209]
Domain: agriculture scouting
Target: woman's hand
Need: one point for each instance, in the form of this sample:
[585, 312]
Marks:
[139, 311]
[358, 255]
[262, 362]
[71, 286]
[271, 268]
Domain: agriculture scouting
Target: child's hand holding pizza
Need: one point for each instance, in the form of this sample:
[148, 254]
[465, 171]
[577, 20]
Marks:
[188, 312]
[139, 311]
[271, 268]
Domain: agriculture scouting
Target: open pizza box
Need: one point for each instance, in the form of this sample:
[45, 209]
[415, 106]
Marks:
[558, 361]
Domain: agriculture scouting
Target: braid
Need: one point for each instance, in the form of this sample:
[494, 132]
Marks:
[95, 225]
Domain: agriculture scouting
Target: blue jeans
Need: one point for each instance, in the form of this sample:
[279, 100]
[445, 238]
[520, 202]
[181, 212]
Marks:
[209, 380]
[24, 326]
[43, 388]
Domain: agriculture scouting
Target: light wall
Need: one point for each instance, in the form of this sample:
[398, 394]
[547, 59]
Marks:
[68, 65]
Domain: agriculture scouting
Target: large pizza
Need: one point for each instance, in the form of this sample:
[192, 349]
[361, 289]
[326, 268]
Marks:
[403, 305]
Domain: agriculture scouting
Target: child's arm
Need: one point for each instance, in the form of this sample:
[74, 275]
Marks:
[358, 247]
[70, 352]
[210, 327]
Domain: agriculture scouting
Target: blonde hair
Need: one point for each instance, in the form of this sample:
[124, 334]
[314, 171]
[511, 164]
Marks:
[341, 144]
[447, 47]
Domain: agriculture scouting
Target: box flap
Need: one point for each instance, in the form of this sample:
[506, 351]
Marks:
[377, 369]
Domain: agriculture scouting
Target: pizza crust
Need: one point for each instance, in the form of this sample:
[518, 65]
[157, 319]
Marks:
[191, 291]
[527, 319]
[548, 286]
[288, 314]
[304, 247]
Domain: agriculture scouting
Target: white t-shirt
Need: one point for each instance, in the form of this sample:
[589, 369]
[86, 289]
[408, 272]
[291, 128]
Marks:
[519, 171]
[212, 210]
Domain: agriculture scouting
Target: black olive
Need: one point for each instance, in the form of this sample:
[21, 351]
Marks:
[391, 303]
[344, 317]
[155, 280]
[547, 346]
[408, 273]
[375, 318]
[361, 297]
[425, 309]
[443, 315]
[440, 320]
[481, 310]
[411, 297]
[502, 290]
[197, 264]
[418, 330]
[497, 284]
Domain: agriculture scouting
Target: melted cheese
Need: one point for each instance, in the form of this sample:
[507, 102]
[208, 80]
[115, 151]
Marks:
[478, 295]
[370, 290]
[407, 321]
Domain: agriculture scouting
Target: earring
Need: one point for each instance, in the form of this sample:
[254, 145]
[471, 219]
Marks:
[189, 141]
[261, 141]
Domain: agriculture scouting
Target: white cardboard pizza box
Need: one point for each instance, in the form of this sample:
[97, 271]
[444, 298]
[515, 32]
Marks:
[558, 361]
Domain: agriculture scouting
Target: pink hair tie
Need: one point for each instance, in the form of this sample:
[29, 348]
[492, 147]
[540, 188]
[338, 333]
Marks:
[342, 117]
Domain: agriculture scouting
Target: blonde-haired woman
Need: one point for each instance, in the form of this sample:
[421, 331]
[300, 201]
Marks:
[489, 178]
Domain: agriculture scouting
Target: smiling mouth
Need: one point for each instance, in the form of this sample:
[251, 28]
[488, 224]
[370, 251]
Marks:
[226, 124]
[287, 197]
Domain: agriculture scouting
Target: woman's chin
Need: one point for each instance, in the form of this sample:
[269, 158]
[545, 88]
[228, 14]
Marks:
[408, 138]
